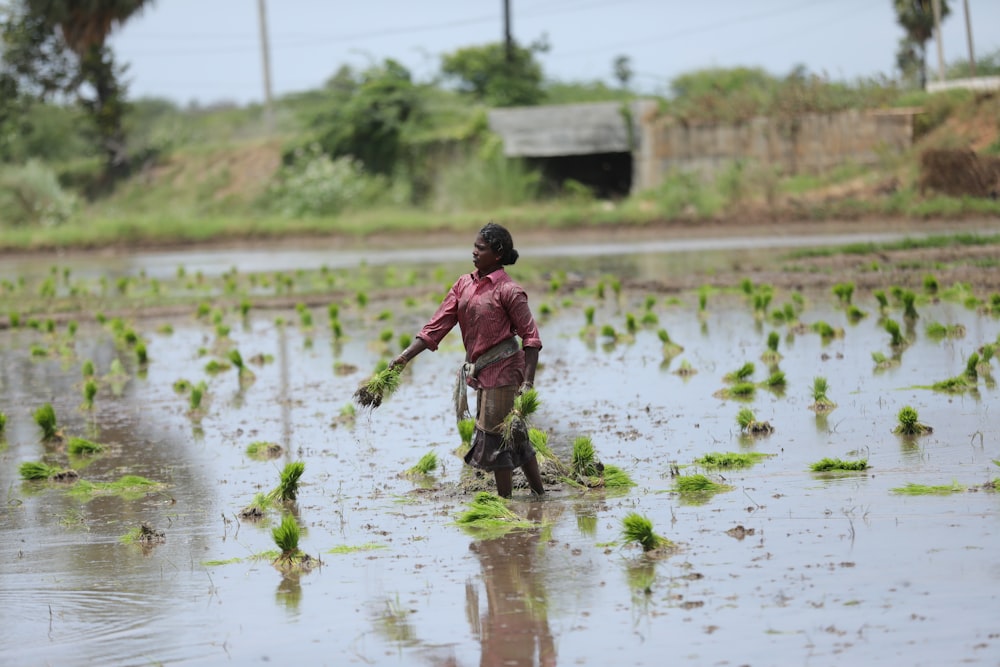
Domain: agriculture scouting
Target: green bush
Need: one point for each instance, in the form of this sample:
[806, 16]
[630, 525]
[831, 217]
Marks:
[314, 184]
[31, 195]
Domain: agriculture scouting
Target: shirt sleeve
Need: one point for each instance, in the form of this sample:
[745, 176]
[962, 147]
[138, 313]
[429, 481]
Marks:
[521, 317]
[443, 320]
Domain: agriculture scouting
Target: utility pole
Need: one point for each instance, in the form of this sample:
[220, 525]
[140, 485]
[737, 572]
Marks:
[508, 41]
[936, 4]
[266, 59]
[968, 38]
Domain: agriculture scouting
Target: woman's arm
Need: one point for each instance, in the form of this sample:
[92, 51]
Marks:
[413, 349]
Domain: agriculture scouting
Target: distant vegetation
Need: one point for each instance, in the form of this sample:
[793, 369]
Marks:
[375, 150]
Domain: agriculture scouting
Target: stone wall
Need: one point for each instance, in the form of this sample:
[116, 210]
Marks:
[812, 143]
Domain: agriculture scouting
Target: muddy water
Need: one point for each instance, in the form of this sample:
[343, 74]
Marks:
[788, 567]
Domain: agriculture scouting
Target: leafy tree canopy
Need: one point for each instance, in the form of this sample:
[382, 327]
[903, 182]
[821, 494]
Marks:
[486, 73]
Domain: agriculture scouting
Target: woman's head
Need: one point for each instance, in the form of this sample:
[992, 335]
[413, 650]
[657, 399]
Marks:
[500, 242]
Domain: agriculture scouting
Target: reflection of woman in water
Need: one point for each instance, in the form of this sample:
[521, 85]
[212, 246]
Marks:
[514, 631]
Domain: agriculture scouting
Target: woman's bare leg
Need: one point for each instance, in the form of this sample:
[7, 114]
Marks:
[534, 476]
[505, 483]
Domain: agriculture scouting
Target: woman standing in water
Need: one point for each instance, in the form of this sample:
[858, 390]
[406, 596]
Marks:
[491, 310]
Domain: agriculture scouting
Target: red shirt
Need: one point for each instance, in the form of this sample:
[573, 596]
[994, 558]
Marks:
[488, 310]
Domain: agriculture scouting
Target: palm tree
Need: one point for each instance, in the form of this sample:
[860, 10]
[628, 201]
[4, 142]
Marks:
[85, 26]
[917, 18]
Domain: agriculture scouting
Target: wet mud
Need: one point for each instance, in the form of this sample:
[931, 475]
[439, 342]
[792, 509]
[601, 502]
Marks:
[782, 566]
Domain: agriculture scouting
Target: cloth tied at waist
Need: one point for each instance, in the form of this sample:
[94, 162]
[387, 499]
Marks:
[498, 352]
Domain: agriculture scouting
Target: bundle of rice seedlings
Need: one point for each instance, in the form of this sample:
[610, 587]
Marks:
[909, 423]
[775, 380]
[488, 510]
[844, 292]
[749, 424]
[828, 465]
[286, 538]
[908, 297]
[288, 483]
[685, 369]
[236, 359]
[34, 470]
[616, 478]
[741, 374]
[466, 429]
[882, 362]
[639, 530]
[730, 460]
[820, 401]
[427, 464]
[45, 417]
[262, 450]
[883, 300]
[3, 421]
[382, 383]
[89, 392]
[896, 337]
[697, 485]
[670, 348]
[257, 507]
[771, 355]
[82, 446]
[972, 368]
[515, 424]
[584, 464]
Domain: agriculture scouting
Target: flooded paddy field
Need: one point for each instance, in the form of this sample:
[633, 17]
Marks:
[782, 565]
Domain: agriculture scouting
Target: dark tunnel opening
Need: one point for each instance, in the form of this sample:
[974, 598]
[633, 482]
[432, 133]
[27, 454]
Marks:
[606, 175]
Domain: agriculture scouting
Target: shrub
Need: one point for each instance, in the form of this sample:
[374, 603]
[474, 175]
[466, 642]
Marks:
[31, 195]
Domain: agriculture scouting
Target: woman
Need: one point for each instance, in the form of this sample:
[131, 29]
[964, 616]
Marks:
[490, 309]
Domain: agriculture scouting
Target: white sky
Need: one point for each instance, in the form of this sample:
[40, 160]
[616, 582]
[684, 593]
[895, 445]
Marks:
[209, 50]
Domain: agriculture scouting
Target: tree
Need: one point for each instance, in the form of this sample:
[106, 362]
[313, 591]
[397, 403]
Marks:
[370, 126]
[58, 46]
[485, 73]
[917, 18]
[622, 66]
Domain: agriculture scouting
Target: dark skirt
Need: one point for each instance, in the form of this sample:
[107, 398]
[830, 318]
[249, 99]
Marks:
[489, 451]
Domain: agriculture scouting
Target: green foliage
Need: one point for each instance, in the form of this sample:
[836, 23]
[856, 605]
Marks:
[30, 194]
[912, 489]
[483, 180]
[312, 183]
[371, 125]
[466, 428]
[485, 73]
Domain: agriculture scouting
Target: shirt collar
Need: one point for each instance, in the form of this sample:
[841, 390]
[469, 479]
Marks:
[493, 277]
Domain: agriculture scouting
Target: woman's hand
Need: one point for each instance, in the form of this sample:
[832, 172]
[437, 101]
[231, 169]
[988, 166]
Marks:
[400, 361]
[525, 386]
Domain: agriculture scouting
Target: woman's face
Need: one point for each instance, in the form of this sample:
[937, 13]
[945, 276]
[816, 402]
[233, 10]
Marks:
[483, 256]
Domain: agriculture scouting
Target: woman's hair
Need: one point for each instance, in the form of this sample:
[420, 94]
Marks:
[498, 239]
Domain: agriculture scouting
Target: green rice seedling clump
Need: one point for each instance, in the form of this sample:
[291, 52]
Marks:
[637, 529]
[730, 460]
[617, 478]
[45, 417]
[584, 463]
[749, 424]
[288, 482]
[909, 422]
[466, 428]
[670, 348]
[912, 489]
[427, 464]
[89, 391]
[896, 338]
[3, 421]
[36, 470]
[741, 374]
[262, 450]
[829, 465]
[821, 402]
[380, 386]
[698, 485]
[488, 513]
[82, 446]
[516, 423]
